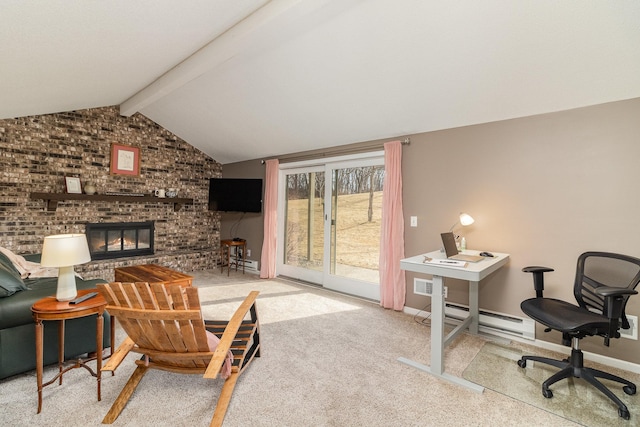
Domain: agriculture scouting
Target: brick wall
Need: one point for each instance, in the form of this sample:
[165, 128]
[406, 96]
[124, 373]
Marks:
[37, 152]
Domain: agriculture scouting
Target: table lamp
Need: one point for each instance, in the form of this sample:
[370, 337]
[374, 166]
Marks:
[64, 251]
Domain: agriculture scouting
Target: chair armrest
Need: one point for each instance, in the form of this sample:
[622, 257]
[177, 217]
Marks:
[538, 277]
[118, 356]
[607, 291]
[229, 335]
[614, 300]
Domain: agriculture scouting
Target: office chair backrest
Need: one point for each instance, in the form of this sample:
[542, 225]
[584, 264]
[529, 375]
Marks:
[596, 269]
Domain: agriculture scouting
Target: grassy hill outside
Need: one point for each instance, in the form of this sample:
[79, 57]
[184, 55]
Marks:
[358, 240]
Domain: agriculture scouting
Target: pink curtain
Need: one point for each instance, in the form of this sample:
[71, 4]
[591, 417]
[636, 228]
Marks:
[268, 256]
[392, 278]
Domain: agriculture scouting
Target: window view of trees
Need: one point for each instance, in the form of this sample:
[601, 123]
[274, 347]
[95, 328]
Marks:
[355, 234]
[349, 181]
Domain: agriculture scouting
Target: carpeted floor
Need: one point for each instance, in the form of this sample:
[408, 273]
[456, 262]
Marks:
[327, 360]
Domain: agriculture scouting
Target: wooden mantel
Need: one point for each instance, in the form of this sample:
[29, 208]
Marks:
[52, 199]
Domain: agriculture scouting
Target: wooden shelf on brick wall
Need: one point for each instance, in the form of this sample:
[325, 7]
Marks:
[51, 199]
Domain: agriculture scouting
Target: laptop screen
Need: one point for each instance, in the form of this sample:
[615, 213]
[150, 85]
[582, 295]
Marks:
[449, 243]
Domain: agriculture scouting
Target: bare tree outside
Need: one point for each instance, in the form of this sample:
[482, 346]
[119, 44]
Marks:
[356, 221]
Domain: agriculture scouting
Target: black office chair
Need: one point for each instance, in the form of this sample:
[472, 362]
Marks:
[603, 284]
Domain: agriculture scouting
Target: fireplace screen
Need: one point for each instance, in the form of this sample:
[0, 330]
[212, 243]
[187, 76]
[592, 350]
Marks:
[121, 239]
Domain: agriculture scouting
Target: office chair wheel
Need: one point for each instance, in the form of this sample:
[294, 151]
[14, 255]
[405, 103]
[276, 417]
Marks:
[548, 393]
[630, 390]
[624, 413]
[522, 363]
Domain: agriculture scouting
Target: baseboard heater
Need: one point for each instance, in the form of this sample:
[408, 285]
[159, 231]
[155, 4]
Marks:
[490, 322]
[249, 264]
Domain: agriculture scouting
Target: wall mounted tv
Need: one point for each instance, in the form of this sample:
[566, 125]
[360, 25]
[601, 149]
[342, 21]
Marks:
[235, 194]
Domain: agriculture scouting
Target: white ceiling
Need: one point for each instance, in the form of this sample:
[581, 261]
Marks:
[254, 78]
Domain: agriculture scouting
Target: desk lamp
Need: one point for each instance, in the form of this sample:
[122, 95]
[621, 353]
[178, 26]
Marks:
[464, 219]
[64, 251]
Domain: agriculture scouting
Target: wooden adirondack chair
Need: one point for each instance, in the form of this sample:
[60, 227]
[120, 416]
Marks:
[165, 325]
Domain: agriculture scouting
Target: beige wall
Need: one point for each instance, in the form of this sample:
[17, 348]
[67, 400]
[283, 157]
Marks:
[248, 226]
[543, 188]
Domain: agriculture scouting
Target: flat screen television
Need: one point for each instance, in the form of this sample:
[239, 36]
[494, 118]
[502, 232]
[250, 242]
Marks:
[235, 194]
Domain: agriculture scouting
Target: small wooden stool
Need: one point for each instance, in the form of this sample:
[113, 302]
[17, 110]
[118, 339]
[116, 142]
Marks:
[225, 249]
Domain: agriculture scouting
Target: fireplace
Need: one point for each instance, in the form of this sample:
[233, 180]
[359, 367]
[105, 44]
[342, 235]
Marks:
[120, 239]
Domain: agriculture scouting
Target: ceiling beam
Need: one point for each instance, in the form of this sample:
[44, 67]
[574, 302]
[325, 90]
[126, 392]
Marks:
[223, 48]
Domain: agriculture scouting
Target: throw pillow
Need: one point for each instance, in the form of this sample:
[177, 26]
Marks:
[10, 280]
[213, 341]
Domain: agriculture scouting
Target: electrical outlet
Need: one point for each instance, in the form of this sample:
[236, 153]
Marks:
[248, 253]
[414, 221]
[446, 292]
[632, 332]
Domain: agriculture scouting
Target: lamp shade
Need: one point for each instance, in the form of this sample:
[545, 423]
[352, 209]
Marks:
[63, 250]
[466, 219]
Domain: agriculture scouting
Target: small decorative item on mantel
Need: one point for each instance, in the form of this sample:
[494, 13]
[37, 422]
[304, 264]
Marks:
[90, 188]
[172, 192]
[73, 185]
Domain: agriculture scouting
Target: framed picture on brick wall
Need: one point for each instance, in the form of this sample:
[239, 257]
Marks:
[73, 184]
[125, 160]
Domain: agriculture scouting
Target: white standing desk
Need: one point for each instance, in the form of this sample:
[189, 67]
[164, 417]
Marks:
[473, 273]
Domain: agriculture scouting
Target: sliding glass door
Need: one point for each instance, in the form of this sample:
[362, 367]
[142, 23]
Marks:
[330, 230]
[303, 232]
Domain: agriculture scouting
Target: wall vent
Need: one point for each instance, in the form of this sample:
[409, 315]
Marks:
[422, 287]
[425, 287]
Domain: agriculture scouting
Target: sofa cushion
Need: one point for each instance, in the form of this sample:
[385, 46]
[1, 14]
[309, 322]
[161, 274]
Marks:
[10, 280]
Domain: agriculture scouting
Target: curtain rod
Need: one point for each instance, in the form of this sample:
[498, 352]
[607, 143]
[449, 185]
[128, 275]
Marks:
[336, 152]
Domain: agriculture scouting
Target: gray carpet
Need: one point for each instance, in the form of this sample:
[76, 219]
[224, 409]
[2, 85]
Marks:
[495, 367]
[327, 360]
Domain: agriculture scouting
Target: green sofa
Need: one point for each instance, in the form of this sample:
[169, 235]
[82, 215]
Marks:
[17, 328]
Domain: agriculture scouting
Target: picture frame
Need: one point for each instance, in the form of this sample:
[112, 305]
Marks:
[73, 185]
[125, 160]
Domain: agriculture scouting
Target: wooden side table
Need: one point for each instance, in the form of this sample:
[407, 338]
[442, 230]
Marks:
[51, 309]
[225, 249]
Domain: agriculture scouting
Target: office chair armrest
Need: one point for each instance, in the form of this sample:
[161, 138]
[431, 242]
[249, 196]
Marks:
[607, 291]
[614, 301]
[538, 277]
[613, 308]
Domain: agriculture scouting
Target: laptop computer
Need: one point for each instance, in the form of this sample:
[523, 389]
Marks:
[450, 248]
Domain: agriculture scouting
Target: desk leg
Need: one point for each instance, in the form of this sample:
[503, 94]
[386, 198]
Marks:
[437, 326]
[474, 307]
[437, 339]
[39, 353]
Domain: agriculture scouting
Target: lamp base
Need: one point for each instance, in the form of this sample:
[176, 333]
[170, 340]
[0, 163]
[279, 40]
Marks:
[66, 284]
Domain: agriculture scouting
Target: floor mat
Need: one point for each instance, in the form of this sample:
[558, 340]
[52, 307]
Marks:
[496, 369]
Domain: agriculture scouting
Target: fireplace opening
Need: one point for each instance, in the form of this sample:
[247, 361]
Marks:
[120, 239]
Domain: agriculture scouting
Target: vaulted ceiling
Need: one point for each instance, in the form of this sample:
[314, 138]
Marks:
[254, 78]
